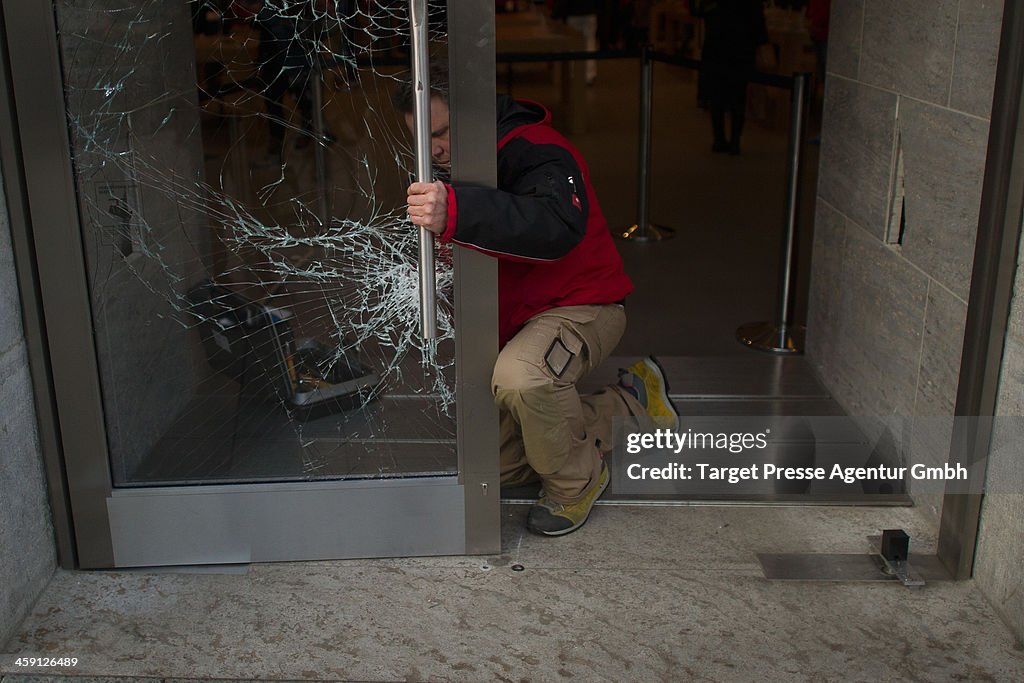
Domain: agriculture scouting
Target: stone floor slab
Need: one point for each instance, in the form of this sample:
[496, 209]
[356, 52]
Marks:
[640, 594]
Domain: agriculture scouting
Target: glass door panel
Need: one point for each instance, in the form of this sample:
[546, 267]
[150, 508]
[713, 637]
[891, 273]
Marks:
[229, 284]
[252, 278]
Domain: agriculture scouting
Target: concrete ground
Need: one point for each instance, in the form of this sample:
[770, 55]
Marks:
[639, 594]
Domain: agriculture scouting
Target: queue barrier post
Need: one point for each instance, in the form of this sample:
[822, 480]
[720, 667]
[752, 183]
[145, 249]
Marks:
[782, 336]
[644, 230]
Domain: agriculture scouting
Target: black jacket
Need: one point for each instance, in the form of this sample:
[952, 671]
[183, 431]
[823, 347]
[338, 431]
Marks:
[543, 222]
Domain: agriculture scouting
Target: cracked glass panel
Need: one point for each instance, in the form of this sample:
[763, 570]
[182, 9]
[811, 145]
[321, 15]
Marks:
[252, 274]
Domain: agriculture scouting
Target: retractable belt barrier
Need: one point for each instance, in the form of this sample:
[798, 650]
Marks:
[779, 336]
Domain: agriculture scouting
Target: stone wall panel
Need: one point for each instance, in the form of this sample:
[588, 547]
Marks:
[977, 47]
[857, 152]
[944, 160]
[908, 47]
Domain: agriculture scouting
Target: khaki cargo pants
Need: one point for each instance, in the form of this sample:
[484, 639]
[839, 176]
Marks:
[547, 428]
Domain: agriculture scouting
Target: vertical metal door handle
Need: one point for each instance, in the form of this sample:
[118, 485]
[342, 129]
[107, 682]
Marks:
[424, 173]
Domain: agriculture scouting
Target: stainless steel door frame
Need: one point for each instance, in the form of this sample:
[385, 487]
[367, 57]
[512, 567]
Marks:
[993, 278]
[37, 86]
[133, 527]
[471, 96]
[33, 325]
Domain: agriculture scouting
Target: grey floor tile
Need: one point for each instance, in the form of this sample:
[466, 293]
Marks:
[331, 621]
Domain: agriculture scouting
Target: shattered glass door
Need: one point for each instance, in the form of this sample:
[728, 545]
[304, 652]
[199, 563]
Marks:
[253, 277]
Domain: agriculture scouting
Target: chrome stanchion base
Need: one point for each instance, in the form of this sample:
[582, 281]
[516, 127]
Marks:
[772, 337]
[654, 233]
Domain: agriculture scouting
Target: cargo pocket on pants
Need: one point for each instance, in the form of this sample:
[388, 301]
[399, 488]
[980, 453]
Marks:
[564, 348]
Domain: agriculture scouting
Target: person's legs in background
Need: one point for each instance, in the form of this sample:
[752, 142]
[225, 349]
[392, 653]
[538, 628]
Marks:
[277, 86]
[301, 88]
[715, 93]
[737, 99]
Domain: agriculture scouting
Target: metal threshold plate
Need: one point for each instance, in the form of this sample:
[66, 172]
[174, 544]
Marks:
[524, 497]
[842, 567]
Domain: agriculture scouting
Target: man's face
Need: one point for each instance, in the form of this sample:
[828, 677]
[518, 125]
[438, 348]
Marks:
[440, 149]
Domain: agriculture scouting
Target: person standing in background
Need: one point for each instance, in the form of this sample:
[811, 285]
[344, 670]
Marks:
[289, 50]
[286, 53]
[638, 22]
[733, 30]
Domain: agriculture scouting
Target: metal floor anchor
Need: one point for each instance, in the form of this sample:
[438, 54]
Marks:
[895, 552]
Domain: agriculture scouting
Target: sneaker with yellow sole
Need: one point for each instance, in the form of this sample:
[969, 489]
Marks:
[557, 519]
[646, 382]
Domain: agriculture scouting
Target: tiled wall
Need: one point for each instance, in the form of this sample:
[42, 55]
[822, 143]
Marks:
[886, 321]
[27, 551]
[910, 78]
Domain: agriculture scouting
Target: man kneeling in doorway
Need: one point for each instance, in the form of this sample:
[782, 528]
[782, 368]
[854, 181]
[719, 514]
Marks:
[561, 295]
